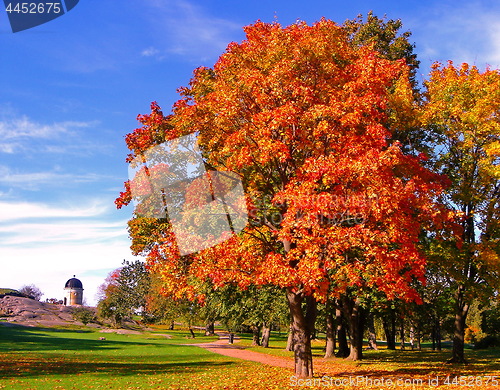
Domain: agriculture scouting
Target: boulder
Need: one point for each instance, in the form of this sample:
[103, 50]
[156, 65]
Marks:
[26, 311]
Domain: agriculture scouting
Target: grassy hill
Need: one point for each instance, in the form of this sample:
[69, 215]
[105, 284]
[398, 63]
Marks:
[10, 291]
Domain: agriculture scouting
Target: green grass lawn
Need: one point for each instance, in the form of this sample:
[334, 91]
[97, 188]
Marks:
[36, 358]
[73, 358]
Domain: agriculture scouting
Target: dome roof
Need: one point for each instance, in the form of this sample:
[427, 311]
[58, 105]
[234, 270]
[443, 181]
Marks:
[73, 283]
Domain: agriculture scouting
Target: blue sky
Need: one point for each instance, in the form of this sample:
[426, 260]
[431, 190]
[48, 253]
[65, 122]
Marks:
[71, 89]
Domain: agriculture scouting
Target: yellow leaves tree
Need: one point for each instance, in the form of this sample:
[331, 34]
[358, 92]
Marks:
[462, 112]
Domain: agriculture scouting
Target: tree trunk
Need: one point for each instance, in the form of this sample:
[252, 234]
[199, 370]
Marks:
[461, 311]
[372, 336]
[402, 333]
[171, 327]
[412, 338]
[311, 315]
[470, 272]
[353, 312]
[419, 338]
[256, 335]
[438, 335]
[192, 333]
[209, 328]
[289, 341]
[390, 329]
[266, 333]
[301, 336]
[433, 337]
[343, 350]
[330, 336]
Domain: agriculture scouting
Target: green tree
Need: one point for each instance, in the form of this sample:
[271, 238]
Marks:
[134, 283]
[490, 322]
[256, 307]
[386, 38]
[111, 305]
[161, 308]
[124, 292]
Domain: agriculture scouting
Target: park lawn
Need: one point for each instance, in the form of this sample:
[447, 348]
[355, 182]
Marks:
[36, 358]
[48, 358]
[413, 369]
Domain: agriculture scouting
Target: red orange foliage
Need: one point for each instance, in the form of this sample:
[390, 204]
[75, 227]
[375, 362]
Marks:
[300, 115]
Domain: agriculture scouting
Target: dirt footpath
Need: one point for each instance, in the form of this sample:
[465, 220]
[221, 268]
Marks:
[222, 347]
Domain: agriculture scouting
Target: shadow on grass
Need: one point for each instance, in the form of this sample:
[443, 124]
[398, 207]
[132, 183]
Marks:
[425, 363]
[488, 356]
[35, 367]
[41, 352]
[22, 338]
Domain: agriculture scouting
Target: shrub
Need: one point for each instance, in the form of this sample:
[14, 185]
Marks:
[84, 315]
[487, 342]
[31, 291]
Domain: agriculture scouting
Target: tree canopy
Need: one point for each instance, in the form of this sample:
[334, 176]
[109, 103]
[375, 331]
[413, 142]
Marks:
[461, 112]
[301, 115]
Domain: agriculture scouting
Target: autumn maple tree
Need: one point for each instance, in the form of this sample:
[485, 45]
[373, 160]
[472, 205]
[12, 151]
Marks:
[462, 113]
[300, 114]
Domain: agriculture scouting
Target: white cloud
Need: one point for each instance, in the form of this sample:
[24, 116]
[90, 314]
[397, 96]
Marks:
[150, 52]
[494, 35]
[461, 32]
[19, 134]
[33, 180]
[61, 232]
[9, 148]
[25, 128]
[191, 31]
[51, 266]
[45, 245]
[20, 210]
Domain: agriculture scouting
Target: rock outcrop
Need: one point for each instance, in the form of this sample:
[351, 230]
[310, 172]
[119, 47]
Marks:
[26, 311]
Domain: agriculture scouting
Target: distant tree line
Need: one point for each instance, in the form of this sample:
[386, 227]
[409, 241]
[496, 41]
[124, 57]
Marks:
[132, 292]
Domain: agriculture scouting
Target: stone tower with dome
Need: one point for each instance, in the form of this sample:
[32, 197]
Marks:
[74, 292]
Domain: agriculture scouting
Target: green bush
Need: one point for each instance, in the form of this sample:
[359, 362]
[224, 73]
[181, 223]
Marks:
[491, 320]
[84, 315]
[487, 342]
